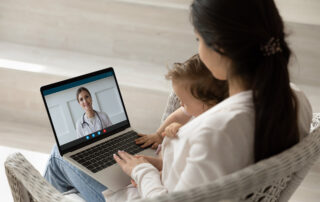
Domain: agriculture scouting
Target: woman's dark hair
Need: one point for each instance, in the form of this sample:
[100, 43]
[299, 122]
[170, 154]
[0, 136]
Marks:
[80, 90]
[199, 81]
[238, 29]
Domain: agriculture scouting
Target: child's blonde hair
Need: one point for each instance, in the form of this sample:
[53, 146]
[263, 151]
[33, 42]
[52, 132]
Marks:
[199, 80]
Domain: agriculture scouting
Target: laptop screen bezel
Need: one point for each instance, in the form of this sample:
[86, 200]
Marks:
[125, 124]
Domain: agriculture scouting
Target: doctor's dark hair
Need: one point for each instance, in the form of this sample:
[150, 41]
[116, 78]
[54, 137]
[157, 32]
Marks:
[199, 81]
[80, 90]
[237, 30]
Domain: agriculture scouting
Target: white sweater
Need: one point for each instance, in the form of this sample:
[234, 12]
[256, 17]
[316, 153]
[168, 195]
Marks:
[216, 143]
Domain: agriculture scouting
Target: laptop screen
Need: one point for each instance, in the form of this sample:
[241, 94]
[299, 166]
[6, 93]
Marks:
[85, 109]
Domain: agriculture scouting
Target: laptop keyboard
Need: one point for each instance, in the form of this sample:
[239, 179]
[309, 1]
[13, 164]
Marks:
[101, 155]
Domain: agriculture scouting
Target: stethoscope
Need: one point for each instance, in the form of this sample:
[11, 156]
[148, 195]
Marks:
[84, 122]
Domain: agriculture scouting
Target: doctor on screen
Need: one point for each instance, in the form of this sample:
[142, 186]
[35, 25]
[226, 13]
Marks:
[91, 121]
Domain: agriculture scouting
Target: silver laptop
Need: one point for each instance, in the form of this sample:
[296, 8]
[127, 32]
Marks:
[90, 124]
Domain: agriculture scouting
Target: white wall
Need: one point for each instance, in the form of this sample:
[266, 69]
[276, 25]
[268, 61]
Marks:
[65, 109]
[300, 11]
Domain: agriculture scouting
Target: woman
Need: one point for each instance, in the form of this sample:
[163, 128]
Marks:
[91, 121]
[242, 42]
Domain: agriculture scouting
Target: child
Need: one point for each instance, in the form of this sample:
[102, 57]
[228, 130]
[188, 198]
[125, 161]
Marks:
[197, 91]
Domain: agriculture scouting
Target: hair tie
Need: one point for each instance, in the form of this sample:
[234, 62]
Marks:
[272, 47]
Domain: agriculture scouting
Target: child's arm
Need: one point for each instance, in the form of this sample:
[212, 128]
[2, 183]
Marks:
[178, 116]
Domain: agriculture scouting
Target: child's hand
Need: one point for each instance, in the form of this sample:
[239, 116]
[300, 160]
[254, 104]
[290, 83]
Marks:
[155, 161]
[147, 140]
[171, 130]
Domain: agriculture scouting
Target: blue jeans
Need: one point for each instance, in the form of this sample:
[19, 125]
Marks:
[64, 177]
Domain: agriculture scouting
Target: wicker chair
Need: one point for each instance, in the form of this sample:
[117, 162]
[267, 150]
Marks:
[273, 179]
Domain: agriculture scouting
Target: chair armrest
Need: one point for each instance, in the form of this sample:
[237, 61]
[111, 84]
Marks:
[27, 184]
[315, 121]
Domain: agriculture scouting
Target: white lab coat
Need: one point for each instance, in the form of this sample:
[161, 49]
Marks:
[85, 127]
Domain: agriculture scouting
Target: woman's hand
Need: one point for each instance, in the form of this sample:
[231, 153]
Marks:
[155, 161]
[171, 130]
[127, 161]
[147, 140]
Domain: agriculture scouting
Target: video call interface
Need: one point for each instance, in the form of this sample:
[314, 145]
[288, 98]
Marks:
[86, 109]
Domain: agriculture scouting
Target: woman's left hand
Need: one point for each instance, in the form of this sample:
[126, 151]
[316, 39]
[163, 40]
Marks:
[127, 161]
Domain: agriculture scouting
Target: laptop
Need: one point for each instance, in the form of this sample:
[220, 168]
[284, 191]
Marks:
[90, 142]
